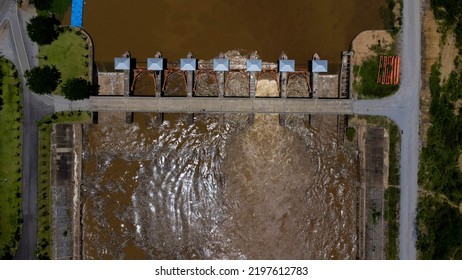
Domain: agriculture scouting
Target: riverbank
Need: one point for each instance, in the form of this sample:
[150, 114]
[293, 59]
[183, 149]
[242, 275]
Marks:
[378, 142]
[66, 174]
[71, 53]
[56, 193]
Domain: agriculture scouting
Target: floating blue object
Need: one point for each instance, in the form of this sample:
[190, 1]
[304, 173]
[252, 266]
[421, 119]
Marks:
[77, 13]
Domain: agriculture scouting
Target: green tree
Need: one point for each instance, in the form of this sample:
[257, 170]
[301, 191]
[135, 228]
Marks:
[41, 4]
[77, 88]
[43, 29]
[44, 79]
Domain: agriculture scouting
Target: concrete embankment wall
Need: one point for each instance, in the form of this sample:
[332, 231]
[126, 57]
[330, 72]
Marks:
[373, 144]
[66, 170]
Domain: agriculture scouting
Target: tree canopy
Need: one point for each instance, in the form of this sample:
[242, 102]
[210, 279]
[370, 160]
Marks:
[450, 13]
[41, 4]
[43, 29]
[77, 88]
[44, 79]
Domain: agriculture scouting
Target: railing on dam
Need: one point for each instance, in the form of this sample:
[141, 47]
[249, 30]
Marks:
[221, 105]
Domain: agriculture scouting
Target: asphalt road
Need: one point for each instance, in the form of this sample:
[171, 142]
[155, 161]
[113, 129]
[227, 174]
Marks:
[403, 109]
[34, 108]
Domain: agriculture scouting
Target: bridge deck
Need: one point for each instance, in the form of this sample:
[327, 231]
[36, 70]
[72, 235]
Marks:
[221, 105]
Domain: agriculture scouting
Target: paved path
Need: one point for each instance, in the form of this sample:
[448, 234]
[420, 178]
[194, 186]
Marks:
[223, 105]
[34, 108]
[403, 109]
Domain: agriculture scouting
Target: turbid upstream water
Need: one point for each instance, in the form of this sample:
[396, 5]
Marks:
[221, 189]
[208, 27]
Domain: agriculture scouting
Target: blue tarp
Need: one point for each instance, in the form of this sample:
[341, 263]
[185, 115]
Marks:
[77, 13]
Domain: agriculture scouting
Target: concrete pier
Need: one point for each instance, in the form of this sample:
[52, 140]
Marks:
[190, 79]
[282, 119]
[252, 78]
[251, 119]
[221, 119]
[159, 76]
[220, 75]
[283, 77]
[127, 77]
[129, 117]
[345, 75]
[190, 119]
[159, 118]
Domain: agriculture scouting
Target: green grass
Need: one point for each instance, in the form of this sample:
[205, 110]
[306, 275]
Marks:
[449, 16]
[391, 22]
[70, 55]
[391, 216]
[440, 229]
[439, 170]
[350, 133]
[44, 194]
[44, 235]
[368, 87]
[58, 7]
[439, 220]
[393, 162]
[10, 160]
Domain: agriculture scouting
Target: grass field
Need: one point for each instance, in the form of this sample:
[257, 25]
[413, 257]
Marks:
[391, 217]
[44, 194]
[44, 235]
[70, 55]
[367, 86]
[58, 8]
[10, 160]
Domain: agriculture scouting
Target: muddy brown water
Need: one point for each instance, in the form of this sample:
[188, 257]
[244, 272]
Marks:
[220, 189]
[211, 191]
[208, 27]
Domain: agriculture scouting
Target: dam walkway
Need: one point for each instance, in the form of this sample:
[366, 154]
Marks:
[220, 105]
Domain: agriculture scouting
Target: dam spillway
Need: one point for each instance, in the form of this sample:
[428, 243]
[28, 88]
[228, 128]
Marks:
[237, 85]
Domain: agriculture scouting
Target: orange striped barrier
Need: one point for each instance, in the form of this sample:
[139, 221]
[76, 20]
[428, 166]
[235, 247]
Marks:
[389, 70]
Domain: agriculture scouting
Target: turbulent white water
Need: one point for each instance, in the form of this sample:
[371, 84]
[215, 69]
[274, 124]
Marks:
[218, 189]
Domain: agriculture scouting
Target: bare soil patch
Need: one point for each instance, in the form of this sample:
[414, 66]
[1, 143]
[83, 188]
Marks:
[448, 55]
[362, 44]
[431, 50]
[460, 162]
[363, 49]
